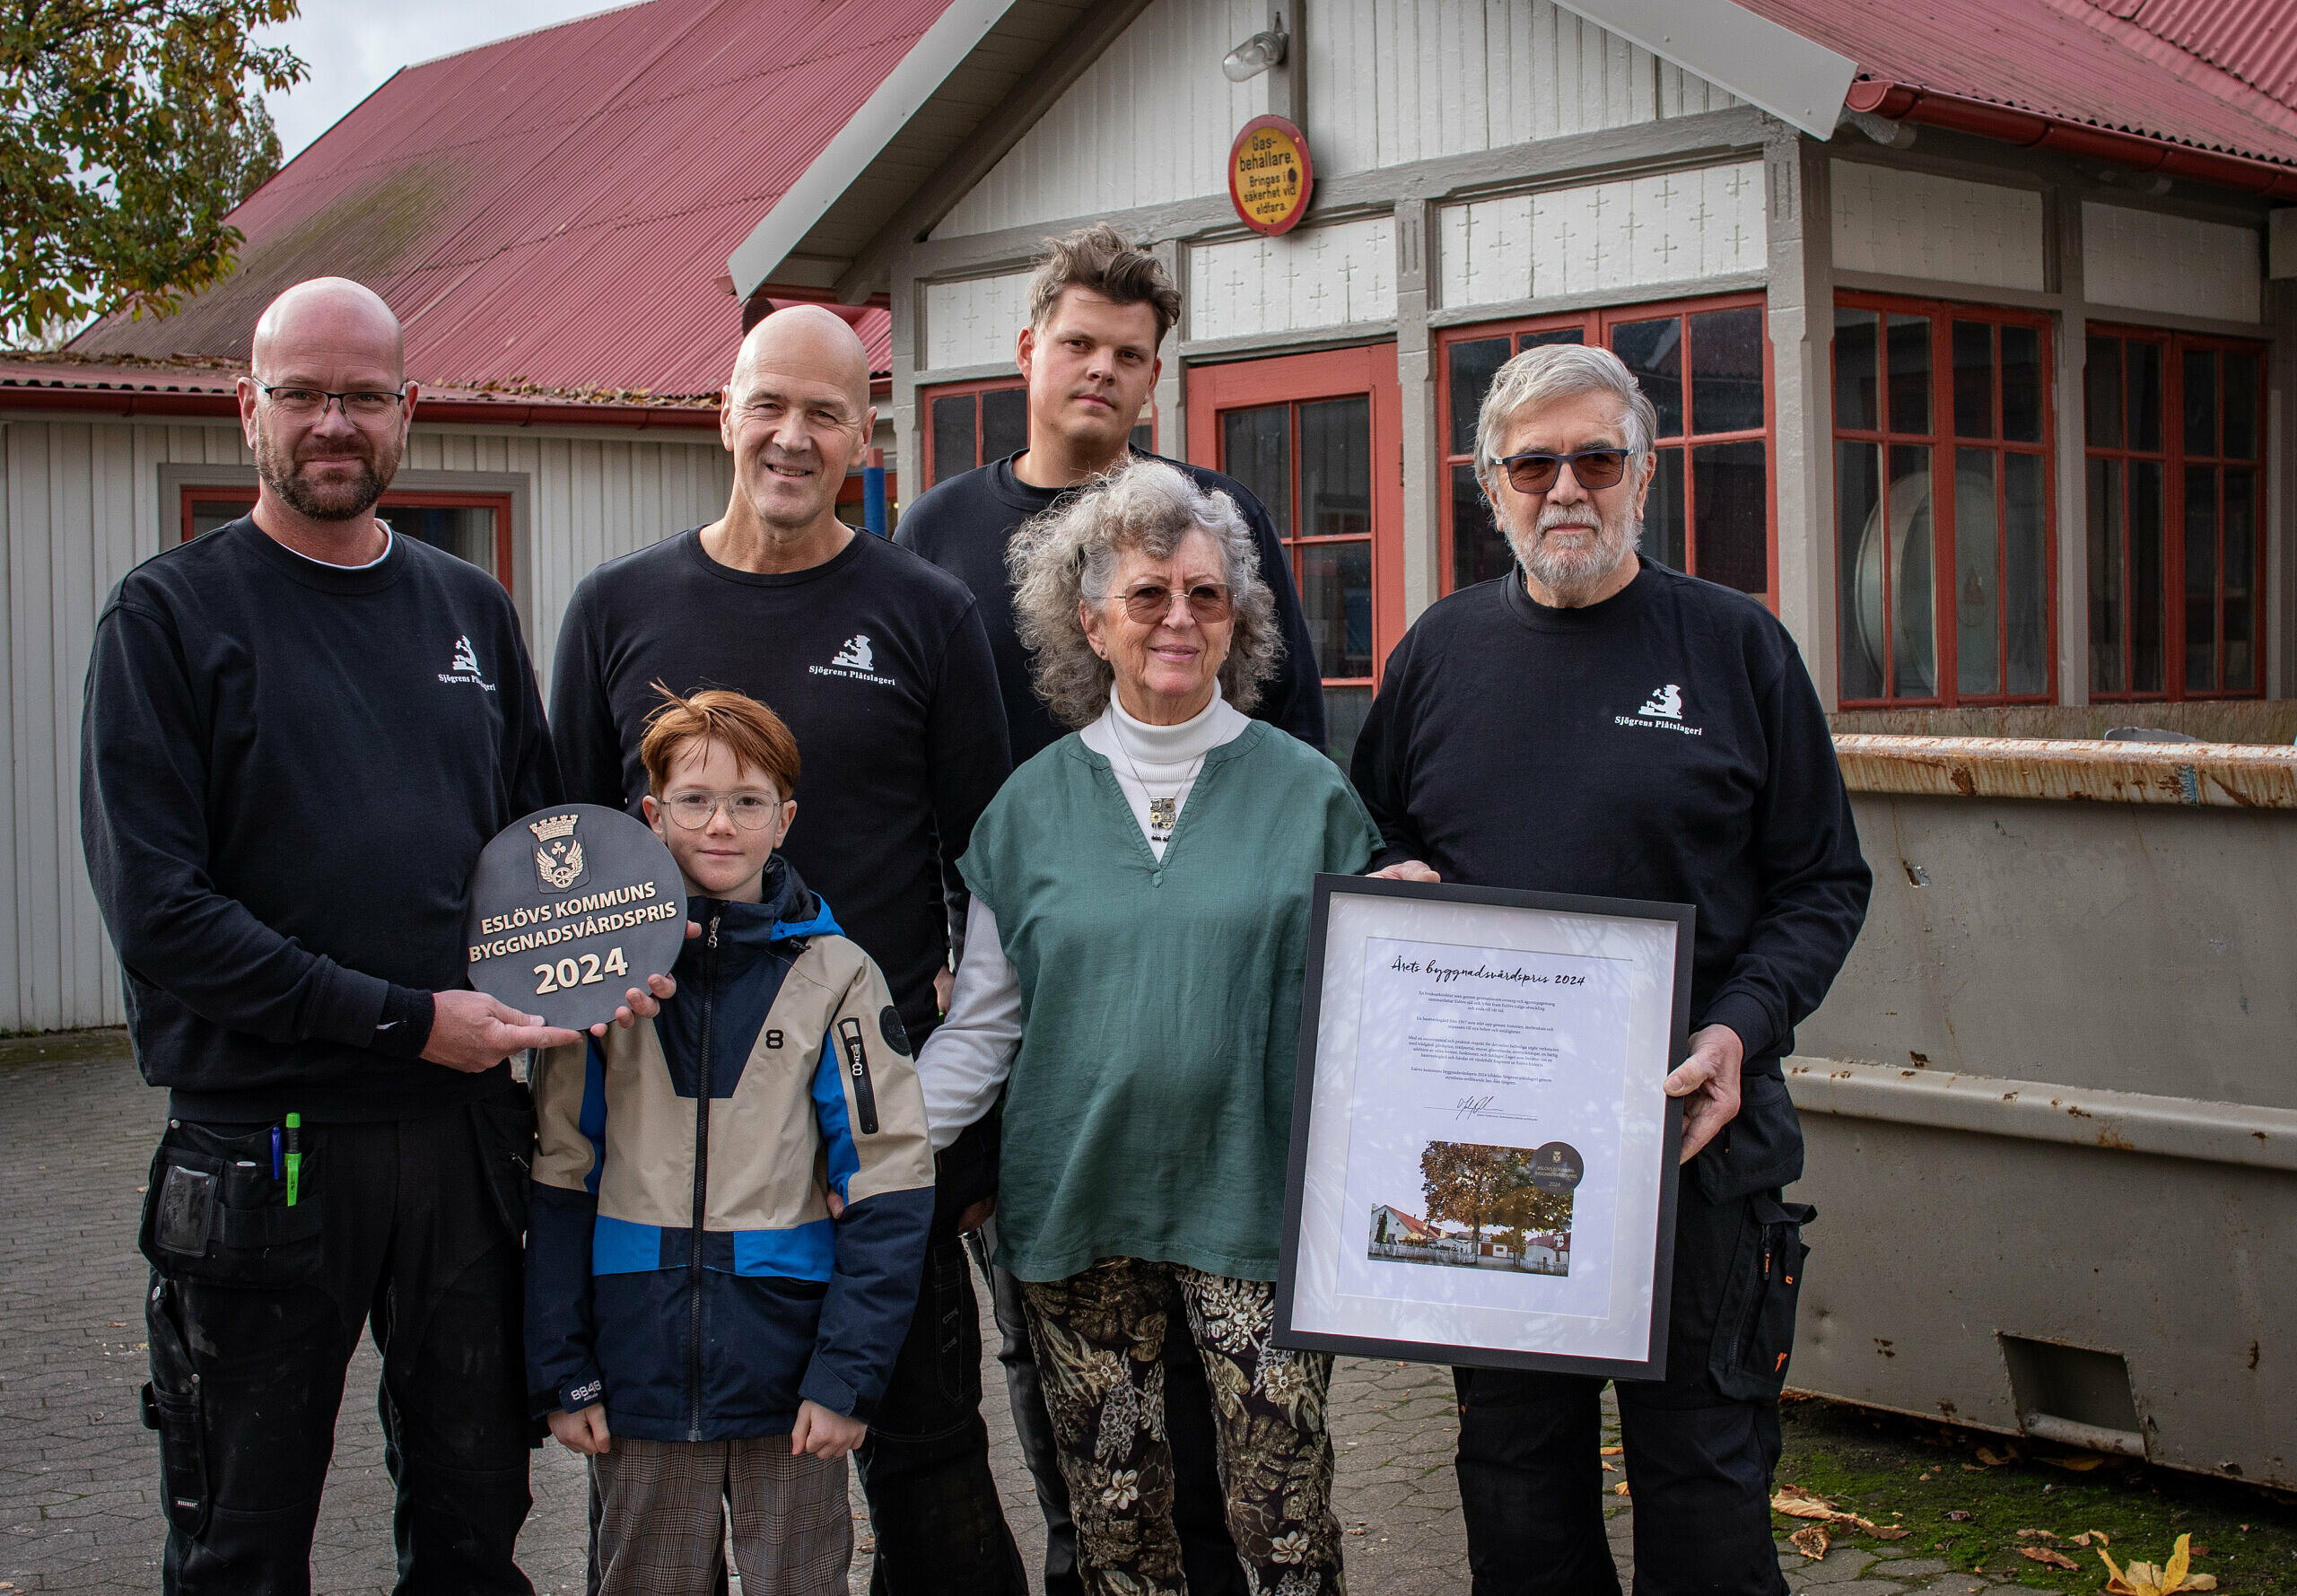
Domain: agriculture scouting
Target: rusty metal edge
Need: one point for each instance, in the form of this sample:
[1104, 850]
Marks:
[2207, 775]
[2235, 1133]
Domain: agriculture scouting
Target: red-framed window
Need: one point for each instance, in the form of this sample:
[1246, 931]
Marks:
[970, 423]
[1319, 441]
[1706, 365]
[473, 527]
[1944, 508]
[2173, 429]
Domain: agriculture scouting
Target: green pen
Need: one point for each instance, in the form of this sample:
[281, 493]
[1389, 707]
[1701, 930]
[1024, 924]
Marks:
[294, 1155]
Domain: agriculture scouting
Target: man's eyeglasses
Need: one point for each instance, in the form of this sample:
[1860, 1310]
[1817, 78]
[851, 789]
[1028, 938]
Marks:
[1151, 602]
[1590, 467]
[310, 403]
[693, 810]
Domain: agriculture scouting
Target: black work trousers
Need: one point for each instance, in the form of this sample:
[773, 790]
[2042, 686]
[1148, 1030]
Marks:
[410, 1226]
[1209, 1562]
[933, 1503]
[1700, 1445]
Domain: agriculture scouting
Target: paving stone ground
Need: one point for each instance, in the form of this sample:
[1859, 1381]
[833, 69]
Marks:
[79, 1473]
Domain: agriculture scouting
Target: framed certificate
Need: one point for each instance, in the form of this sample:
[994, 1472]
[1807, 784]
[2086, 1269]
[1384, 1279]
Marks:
[1483, 1154]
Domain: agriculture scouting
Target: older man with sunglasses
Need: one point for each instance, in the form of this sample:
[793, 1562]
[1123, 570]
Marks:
[1594, 722]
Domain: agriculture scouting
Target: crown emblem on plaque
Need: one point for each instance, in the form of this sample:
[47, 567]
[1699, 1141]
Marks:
[558, 857]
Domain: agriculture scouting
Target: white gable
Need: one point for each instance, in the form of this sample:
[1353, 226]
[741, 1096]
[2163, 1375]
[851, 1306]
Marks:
[1389, 81]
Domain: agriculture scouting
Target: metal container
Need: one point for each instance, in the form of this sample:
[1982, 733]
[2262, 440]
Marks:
[2051, 1101]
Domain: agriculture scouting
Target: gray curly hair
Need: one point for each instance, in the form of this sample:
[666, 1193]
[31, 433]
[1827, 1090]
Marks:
[1067, 555]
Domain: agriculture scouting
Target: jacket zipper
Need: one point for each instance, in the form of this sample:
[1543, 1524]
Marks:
[701, 1213]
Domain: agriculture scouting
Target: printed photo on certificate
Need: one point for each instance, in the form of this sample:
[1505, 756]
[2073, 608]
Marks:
[1483, 1154]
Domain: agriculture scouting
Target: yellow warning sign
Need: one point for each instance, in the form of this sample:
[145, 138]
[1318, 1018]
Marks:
[1270, 174]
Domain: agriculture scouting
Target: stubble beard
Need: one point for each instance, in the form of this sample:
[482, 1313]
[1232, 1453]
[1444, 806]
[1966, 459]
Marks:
[1576, 575]
[281, 472]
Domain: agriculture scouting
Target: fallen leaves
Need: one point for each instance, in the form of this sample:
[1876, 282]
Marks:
[2144, 1579]
[2080, 1462]
[2087, 1536]
[2043, 1554]
[1619, 1489]
[1614, 1451]
[1997, 1460]
[1958, 1515]
[1798, 1503]
[1811, 1540]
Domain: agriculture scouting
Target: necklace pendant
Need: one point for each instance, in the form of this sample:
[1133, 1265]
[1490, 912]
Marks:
[1163, 813]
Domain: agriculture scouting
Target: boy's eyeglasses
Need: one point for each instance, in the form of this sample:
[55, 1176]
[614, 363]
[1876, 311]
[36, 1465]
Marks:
[1151, 602]
[1591, 468]
[305, 403]
[693, 810]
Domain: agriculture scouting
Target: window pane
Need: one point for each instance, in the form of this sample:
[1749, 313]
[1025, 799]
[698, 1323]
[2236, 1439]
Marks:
[2200, 400]
[2240, 405]
[1662, 512]
[1977, 540]
[2021, 384]
[2105, 498]
[953, 436]
[207, 514]
[1546, 336]
[2201, 579]
[1004, 422]
[1345, 711]
[1909, 355]
[2144, 378]
[1914, 625]
[1654, 352]
[2241, 620]
[1472, 367]
[1479, 553]
[2148, 580]
[1732, 491]
[2025, 558]
[464, 531]
[1143, 437]
[1727, 370]
[1336, 468]
[2102, 393]
[1973, 380]
[1336, 593]
[1857, 488]
[1256, 450]
[1854, 370]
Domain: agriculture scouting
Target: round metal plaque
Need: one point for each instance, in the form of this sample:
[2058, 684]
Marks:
[570, 908]
[1557, 1168]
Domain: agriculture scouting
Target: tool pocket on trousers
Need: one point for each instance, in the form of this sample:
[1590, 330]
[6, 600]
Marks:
[172, 1407]
[1754, 1333]
[506, 1139]
[214, 1212]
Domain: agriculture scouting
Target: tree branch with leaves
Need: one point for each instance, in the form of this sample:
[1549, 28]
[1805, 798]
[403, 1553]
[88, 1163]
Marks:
[129, 131]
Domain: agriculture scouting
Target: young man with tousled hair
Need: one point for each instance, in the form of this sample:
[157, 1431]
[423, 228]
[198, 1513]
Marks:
[878, 663]
[301, 730]
[1099, 309]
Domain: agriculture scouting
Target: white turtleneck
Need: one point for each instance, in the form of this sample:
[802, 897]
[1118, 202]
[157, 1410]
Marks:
[1164, 760]
[964, 1064]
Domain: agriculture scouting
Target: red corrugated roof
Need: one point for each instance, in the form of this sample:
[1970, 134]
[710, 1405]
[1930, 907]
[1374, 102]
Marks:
[2081, 61]
[554, 211]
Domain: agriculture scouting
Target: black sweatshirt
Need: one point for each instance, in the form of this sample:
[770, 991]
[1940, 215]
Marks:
[878, 663]
[964, 524]
[1665, 744]
[287, 773]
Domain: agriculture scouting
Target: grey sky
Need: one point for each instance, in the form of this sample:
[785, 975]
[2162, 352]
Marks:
[350, 48]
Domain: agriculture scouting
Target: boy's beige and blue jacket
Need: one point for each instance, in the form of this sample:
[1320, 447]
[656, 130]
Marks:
[779, 1072]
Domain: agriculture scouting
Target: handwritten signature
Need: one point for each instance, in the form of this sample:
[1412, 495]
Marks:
[1469, 1108]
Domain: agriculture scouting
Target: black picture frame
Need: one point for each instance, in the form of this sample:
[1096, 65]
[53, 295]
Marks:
[1654, 1366]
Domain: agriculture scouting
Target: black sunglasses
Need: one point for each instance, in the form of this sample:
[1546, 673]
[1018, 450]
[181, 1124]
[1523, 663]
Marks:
[1591, 468]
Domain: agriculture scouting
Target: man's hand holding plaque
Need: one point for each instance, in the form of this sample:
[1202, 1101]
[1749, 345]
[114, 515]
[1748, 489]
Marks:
[567, 904]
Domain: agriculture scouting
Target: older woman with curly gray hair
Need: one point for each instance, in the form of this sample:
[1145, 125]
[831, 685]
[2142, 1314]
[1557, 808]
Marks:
[1130, 984]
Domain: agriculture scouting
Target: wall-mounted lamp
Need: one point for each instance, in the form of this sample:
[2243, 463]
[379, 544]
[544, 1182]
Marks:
[1256, 55]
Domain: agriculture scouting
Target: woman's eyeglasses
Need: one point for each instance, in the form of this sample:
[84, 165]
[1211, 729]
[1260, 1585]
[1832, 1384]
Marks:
[693, 810]
[1590, 467]
[1151, 602]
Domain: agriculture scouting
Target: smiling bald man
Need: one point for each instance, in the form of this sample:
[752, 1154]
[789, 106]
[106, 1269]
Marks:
[878, 663]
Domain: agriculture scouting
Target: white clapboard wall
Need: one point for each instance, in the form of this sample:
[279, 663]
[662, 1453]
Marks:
[1389, 81]
[80, 506]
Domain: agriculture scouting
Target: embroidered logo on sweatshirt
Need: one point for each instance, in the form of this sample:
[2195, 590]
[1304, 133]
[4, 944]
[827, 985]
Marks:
[1661, 712]
[465, 668]
[855, 661]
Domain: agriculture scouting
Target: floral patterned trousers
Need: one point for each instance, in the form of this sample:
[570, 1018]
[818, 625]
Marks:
[1099, 1340]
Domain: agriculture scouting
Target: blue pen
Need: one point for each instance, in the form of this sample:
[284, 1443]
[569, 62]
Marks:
[275, 1168]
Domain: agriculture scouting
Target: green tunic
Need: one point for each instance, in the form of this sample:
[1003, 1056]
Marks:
[1149, 1107]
